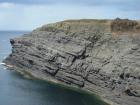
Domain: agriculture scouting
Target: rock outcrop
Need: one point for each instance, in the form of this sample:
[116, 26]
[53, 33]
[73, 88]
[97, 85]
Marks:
[124, 25]
[82, 53]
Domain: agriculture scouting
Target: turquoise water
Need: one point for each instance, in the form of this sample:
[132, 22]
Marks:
[17, 90]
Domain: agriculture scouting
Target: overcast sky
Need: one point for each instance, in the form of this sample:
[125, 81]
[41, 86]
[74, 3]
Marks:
[29, 14]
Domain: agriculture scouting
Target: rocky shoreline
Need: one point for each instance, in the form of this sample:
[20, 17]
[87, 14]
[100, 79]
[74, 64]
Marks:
[98, 56]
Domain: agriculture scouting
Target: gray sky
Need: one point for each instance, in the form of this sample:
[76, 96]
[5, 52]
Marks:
[29, 14]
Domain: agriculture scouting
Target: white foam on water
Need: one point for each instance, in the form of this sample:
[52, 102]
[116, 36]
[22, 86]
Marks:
[1, 63]
[4, 68]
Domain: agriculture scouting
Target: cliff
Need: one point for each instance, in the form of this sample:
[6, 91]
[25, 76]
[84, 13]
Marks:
[84, 54]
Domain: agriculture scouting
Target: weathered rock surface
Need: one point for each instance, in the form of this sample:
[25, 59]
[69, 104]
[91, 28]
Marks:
[89, 58]
[125, 25]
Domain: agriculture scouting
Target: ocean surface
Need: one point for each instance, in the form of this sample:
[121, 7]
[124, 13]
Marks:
[17, 90]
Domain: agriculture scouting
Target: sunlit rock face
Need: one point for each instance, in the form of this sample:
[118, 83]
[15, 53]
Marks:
[84, 54]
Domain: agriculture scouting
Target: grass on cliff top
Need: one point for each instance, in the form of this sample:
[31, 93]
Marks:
[78, 25]
[87, 21]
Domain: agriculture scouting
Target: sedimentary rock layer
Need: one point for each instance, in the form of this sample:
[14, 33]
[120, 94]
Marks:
[84, 54]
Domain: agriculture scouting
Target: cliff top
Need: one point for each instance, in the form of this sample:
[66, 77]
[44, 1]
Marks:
[78, 25]
[90, 25]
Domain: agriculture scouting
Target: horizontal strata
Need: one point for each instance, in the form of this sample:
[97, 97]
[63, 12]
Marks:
[84, 54]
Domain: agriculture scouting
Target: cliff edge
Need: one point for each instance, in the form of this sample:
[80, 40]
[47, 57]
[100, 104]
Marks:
[84, 54]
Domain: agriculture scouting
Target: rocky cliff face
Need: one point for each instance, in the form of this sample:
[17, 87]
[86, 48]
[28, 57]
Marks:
[84, 54]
